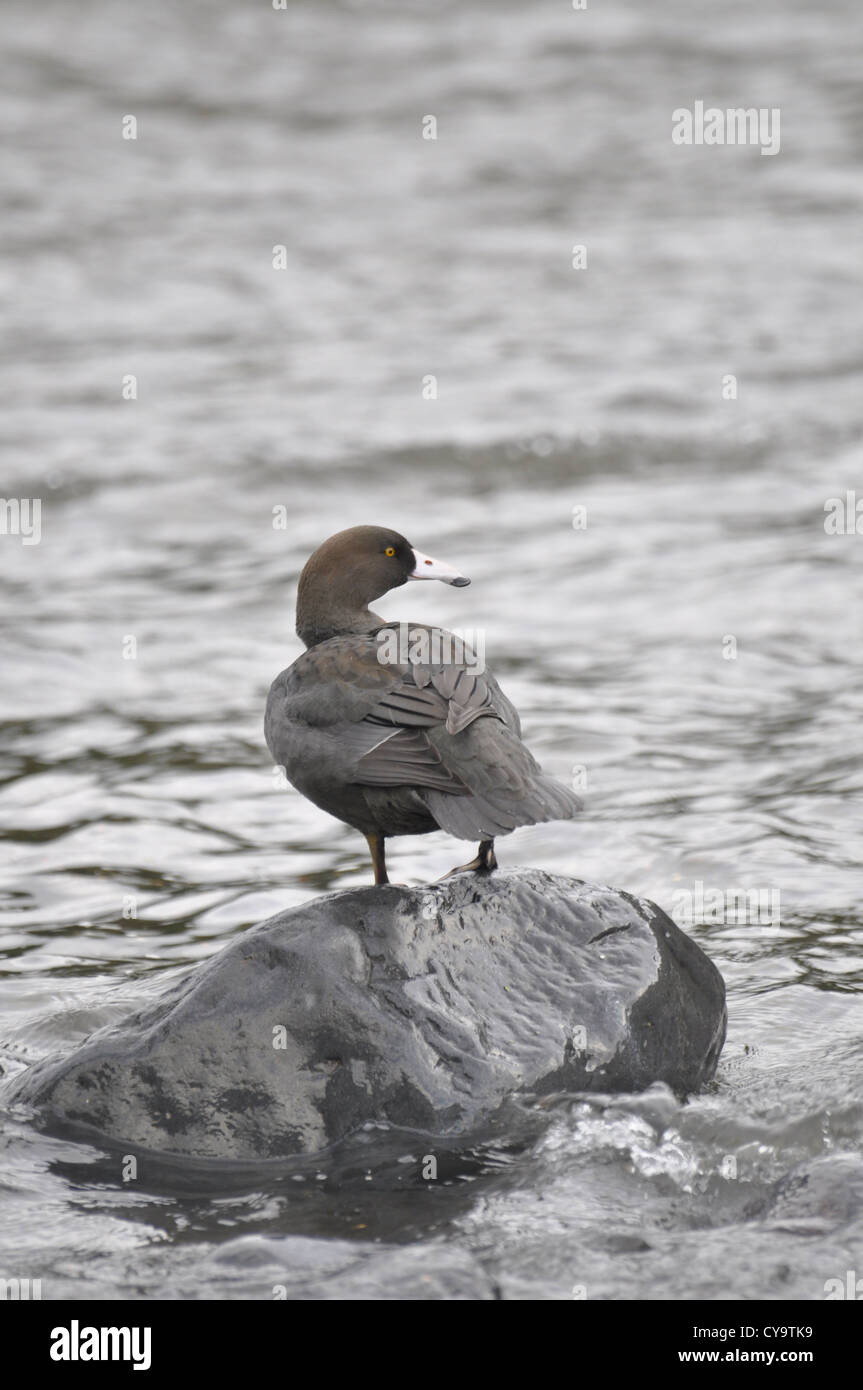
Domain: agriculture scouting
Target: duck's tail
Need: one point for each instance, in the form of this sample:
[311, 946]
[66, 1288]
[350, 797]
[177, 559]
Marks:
[496, 811]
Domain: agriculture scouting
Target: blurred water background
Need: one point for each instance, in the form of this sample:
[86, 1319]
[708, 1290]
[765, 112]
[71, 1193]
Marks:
[143, 784]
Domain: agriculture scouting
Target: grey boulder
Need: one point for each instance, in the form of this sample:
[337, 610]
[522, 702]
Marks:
[426, 1009]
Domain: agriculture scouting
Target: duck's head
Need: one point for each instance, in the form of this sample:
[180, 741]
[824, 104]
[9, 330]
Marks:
[352, 569]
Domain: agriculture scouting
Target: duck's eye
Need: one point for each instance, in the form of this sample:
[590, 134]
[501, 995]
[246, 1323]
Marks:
[390, 550]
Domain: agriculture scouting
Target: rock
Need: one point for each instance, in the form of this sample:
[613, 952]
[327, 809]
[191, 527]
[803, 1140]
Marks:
[421, 1008]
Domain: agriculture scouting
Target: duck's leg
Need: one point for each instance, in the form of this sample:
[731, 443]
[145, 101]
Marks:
[484, 862]
[379, 863]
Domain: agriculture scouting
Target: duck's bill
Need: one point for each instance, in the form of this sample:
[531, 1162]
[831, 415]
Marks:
[427, 568]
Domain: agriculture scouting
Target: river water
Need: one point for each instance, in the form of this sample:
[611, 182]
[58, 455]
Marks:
[661, 590]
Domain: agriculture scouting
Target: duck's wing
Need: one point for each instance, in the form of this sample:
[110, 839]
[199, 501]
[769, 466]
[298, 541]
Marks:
[453, 744]
[445, 729]
[381, 713]
[395, 736]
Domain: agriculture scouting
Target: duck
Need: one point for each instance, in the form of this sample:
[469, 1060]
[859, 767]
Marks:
[398, 728]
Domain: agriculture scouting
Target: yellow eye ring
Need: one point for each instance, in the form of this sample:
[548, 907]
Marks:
[390, 550]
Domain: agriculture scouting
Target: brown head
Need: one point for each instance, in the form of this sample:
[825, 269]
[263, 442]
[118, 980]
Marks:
[351, 570]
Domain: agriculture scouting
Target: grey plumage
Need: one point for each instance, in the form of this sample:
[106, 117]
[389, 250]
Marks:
[405, 746]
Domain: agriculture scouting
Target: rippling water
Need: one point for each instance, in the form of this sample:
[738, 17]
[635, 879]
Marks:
[692, 653]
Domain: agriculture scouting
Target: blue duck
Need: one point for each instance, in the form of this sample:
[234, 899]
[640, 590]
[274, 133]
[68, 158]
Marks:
[397, 728]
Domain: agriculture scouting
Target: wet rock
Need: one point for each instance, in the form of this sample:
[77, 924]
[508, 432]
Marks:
[425, 1009]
